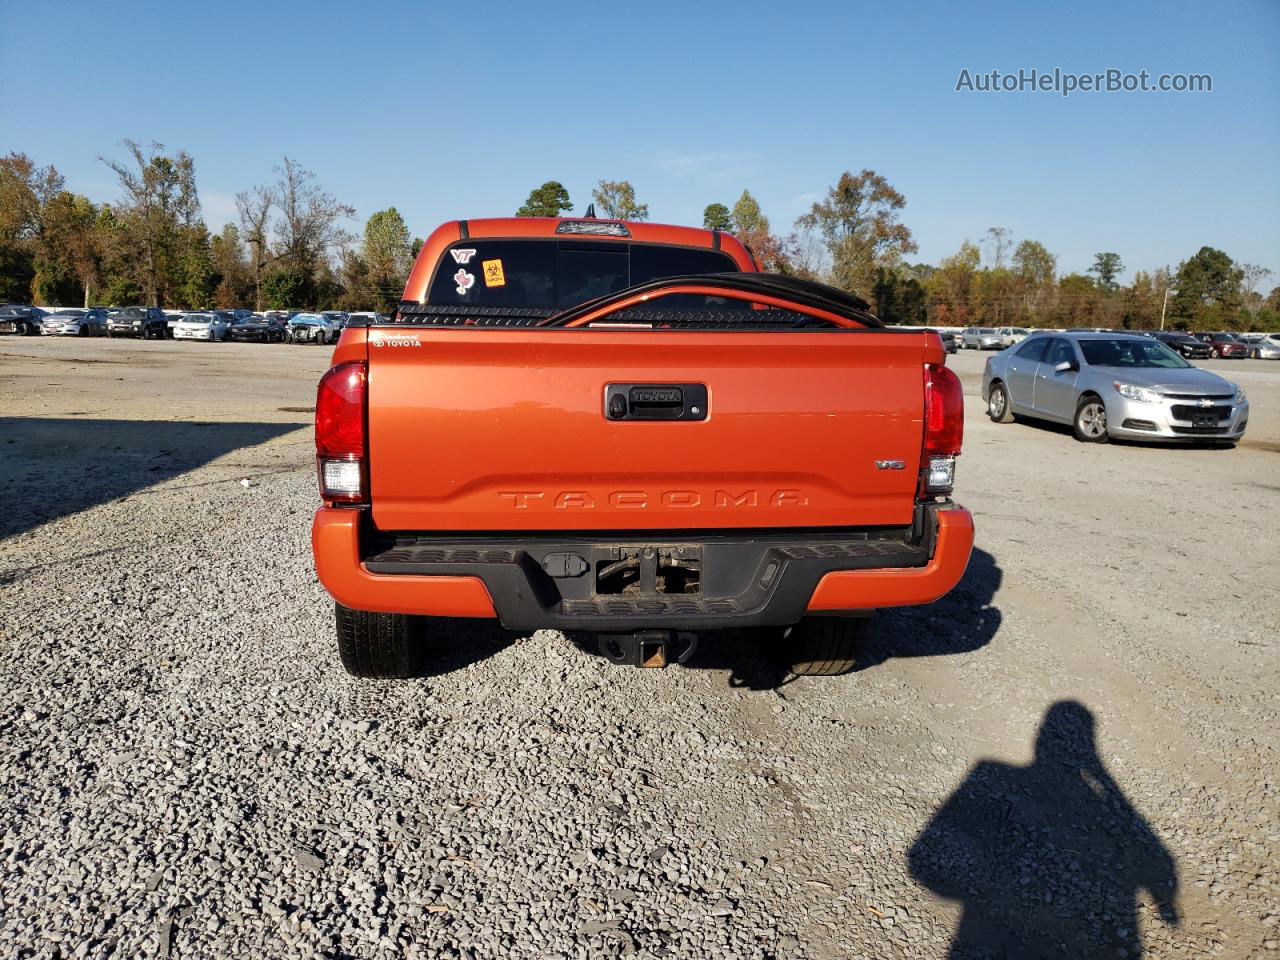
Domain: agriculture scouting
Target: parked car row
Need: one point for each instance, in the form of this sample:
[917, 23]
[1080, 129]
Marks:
[152, 323]
[991, 338]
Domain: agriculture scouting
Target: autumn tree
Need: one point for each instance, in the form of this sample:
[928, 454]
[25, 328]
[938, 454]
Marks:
[26, 191]
[235, 286]
[549, 200]
[1251, 275]
[309, 222]
[1141, 300]
[254, 207]
[68, 257]
[1035, 269]
[617, 201]
[858, 221]
[1079, 302]
[951, 285]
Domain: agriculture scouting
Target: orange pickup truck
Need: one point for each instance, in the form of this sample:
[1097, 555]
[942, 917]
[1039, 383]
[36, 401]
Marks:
[625, 431]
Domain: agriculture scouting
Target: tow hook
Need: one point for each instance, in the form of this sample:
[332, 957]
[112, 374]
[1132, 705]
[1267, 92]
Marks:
[647, 648]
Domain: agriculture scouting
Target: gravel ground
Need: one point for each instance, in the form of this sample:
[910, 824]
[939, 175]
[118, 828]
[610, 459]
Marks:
[1072, 755]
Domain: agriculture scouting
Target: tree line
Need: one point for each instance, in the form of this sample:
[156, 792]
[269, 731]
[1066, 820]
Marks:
[289, 248]
[853, 238]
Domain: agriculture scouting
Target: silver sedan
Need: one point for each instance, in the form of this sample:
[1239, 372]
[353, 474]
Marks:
[1112, 385]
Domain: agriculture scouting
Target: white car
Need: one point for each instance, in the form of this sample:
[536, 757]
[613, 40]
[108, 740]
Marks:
[202, 326]
[1011, 335]
[1263, 346]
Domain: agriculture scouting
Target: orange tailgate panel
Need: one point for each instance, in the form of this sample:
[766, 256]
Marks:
[504, 430]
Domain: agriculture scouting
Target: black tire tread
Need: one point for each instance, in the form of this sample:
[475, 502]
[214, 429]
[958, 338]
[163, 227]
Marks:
[826, 646]
[377, 645]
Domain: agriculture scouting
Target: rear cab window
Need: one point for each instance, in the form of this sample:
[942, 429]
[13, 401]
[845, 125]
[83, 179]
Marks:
[554, 274]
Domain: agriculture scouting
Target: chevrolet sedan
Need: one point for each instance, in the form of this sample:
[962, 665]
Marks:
[1113, 385]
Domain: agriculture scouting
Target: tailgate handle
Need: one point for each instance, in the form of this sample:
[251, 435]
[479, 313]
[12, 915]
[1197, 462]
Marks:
[655, 401]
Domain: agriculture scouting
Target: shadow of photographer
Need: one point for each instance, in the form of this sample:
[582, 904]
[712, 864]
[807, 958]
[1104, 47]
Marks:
[1047, 860]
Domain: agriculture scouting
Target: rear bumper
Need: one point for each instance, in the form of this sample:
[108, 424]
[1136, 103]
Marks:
[744, 579]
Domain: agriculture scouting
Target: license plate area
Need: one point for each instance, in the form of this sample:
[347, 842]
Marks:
[648, 570]
[1209, 419]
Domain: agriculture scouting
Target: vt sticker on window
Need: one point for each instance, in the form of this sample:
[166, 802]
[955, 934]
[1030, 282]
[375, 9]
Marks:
[493, 276]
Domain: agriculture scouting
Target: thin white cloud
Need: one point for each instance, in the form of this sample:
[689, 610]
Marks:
[709, 164]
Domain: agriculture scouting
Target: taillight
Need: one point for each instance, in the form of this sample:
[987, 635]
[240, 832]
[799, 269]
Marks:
[943, 428]
[340, 433]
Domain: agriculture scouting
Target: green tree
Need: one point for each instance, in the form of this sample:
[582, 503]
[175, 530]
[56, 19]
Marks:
[617, 201]
[1107, 267]
[549, 200]
[749, 221]
[858, 221]
[286, 287]
[898, 297]
[716, 217]
[17, 270]
[160, 202]
[196, 280]
[1207, 290]
[385, 258]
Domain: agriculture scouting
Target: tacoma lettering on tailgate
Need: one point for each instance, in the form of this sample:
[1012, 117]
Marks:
[641, 499]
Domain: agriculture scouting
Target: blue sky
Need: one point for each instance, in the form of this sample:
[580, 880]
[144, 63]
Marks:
[458, 109]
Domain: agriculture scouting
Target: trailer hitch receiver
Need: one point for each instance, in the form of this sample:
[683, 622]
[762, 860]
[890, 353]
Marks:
[647, 648]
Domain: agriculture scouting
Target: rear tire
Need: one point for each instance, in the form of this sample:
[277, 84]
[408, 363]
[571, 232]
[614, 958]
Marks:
[998, 404]
[825, 646]
[1090, 422]
[376, 644]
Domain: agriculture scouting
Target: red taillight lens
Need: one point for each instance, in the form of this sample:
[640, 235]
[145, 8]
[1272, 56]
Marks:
[340, 411]
[340, 444]
[943, 411]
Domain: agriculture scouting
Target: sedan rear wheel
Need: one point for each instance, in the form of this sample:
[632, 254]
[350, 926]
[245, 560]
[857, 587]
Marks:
[1090, 423]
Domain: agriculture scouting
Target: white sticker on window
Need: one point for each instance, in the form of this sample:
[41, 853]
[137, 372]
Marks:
[464, 280]
[462, 256]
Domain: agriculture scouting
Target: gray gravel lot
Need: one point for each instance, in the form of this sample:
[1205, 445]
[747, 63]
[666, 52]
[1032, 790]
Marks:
[1073, 755]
